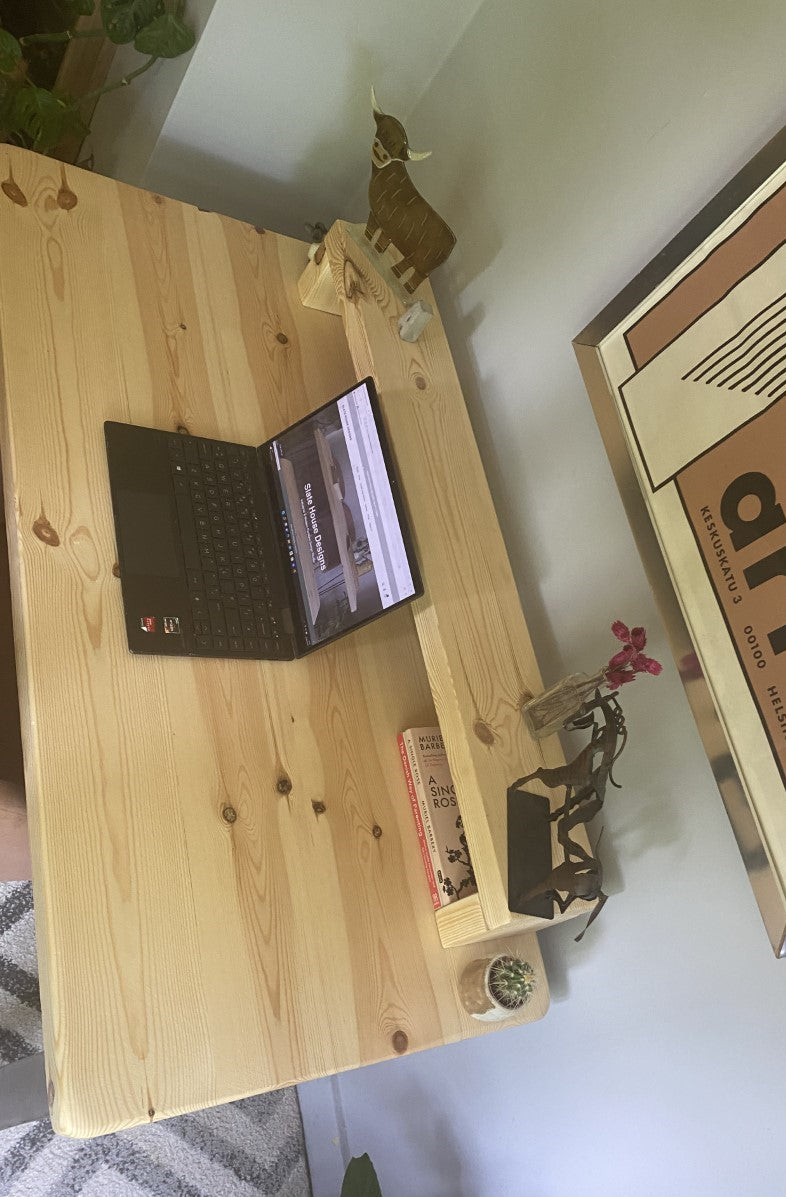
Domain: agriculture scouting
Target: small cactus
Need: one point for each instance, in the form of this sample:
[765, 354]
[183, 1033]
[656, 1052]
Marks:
[511, 981]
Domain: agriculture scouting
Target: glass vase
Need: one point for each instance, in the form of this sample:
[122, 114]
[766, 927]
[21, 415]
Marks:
[548, 712]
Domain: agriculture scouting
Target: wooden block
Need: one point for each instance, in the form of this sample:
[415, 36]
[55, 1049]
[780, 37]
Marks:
[316, 287]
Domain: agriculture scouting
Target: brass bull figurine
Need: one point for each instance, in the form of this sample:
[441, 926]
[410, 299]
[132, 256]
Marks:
[398, 212]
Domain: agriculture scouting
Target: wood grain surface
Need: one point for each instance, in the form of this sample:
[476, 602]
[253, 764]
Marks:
[186, 960]
[475, 643]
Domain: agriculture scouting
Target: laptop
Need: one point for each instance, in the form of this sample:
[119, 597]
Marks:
[265, 552]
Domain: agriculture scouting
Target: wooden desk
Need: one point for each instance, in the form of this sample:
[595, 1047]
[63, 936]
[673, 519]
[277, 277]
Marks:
[186, 960]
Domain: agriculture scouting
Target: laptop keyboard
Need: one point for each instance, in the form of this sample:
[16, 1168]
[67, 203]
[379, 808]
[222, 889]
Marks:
[227, 544]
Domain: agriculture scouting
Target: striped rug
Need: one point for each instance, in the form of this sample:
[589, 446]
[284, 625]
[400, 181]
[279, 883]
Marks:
[244, 1149]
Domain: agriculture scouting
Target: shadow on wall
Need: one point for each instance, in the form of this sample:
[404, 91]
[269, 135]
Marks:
[430, 1138]
[122, 132]
[534, 224]
[325, 183]
[196, 177]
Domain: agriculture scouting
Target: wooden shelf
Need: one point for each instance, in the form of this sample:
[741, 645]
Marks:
[473, 636]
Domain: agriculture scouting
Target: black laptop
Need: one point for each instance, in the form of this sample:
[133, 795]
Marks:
[268, 553]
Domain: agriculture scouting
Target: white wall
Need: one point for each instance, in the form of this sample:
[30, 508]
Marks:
[571, 141]
[272, 123]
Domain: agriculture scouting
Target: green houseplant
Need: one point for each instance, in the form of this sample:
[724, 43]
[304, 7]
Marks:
[360, 1178]
[496, 987]
[38, 116]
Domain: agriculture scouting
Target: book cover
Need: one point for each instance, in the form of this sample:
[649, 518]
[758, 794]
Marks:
[437, 815]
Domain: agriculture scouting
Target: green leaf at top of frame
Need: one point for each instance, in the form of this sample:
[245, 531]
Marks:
[123, 19]
[166, 37]
[10, 52]
[360, 1179]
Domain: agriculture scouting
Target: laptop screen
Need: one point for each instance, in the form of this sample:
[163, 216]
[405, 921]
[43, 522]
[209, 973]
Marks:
[347, 539]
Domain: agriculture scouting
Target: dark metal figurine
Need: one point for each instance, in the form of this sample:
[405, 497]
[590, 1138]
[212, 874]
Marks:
[532, 888]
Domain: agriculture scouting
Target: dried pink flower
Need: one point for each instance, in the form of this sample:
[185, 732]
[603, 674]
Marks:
[618, 677]
[625, 656]
[630, 660]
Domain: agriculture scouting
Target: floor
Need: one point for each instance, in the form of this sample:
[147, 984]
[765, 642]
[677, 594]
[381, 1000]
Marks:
[248, 1148]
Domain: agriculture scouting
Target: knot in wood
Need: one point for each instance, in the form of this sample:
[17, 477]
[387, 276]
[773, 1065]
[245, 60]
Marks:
[420, 382]
[14, 192]
[66, 199]
[376, 831]
[116, 570]
[318, 808]
[228, 814]
[284, 785]
[400, 1042]
[483, 732]
[182, 429]
[282, 338]
[45, 532]
[353, 282]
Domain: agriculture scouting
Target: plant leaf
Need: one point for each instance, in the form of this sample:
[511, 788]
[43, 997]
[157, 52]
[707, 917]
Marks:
[6, 97]
[10, 52]
[43, 117]
[72, 119]
[166, 37]
[123, 19]
[71, 9]
[360, 1179]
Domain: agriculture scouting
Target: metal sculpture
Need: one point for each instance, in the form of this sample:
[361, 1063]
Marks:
[397, 210]
[579, 875]
[576, 879]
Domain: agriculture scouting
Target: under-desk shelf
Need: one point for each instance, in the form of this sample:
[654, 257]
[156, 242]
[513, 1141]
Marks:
[473, 636]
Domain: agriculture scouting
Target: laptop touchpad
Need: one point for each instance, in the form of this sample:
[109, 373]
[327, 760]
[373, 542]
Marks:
[146, 525]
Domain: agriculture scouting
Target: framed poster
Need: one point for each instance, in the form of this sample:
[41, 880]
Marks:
[686, 370]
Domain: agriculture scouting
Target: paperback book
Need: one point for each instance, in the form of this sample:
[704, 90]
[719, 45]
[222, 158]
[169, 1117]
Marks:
[432, 796]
